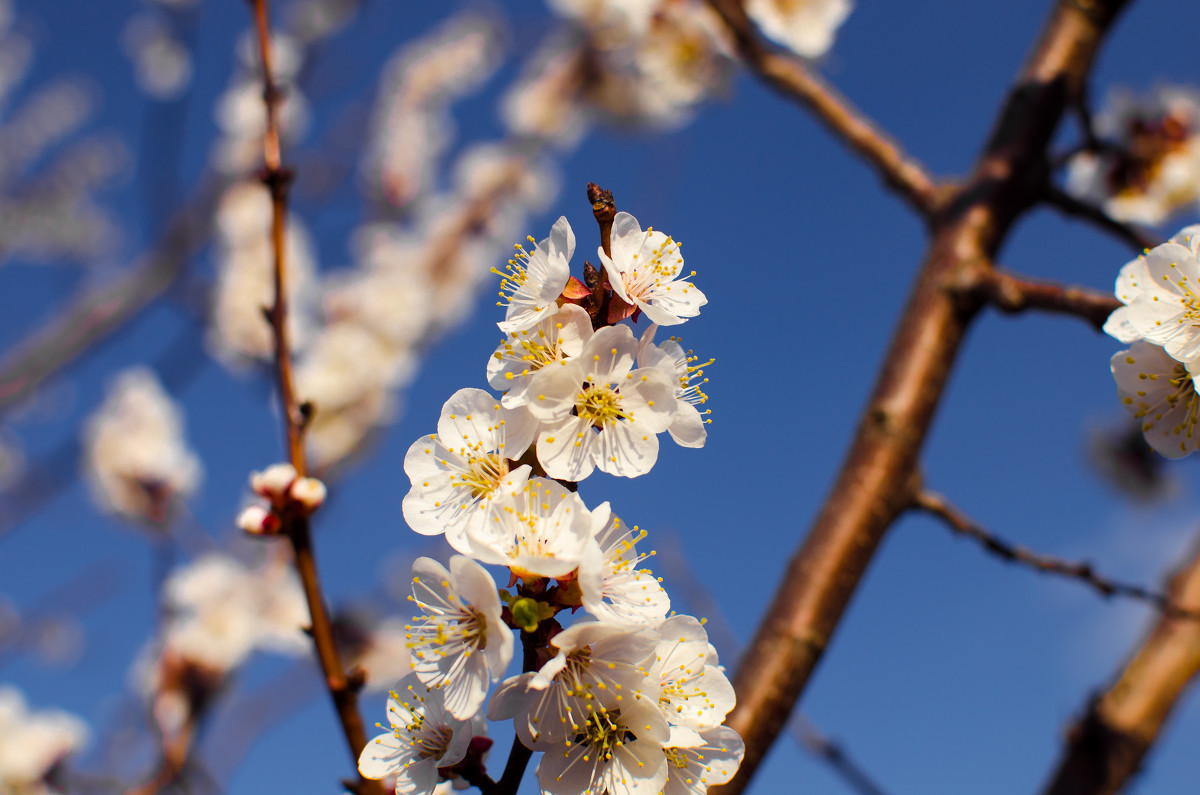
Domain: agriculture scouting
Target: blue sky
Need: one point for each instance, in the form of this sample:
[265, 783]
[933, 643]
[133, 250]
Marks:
[951, 671]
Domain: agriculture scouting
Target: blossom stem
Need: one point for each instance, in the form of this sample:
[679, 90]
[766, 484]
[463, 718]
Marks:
[342, 690]
[958, 522]
[519, 755]
[1011, 293]
[879, 474]
[789, 75]
[1106, 746]
[1064, 202]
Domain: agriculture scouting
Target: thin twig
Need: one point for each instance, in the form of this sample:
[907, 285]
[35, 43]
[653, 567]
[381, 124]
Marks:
[954, 519]
[1011, 293]
[1106, 746]
[879, 473]
[342, 690]
[791, 77]
[1135, 238]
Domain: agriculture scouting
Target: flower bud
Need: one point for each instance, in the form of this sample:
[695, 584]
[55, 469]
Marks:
[309, 492]
[273, 482]
[258, 520]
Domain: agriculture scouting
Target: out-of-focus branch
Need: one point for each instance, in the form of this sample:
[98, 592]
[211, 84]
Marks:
[791, 77]
[1106, 746]
[97, 311]
[879, 476]
[1138, 240]
[1011, 293]
[342, 689]
[958, 522]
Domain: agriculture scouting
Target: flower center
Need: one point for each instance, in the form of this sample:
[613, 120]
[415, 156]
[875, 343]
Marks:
[514, 275]
[484, 474]
[1150, 142]
[600, 405]
[676, 757]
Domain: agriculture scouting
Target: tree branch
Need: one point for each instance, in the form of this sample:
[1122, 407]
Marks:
[879, 477]
[1011, 293]
[958, 522]
[790, 76]
[1106, 746]
[1067, 204]
[342, 690]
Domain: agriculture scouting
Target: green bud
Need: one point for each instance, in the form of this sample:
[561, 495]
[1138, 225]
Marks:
[526, 613]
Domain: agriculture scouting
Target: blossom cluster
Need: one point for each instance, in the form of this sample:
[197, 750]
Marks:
[628, 697]
[1160, 321]
[1149, 166]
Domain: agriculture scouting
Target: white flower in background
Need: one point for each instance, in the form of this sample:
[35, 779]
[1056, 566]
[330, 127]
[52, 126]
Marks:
[643, 270]
[608, 18]
[246, 276]
[597, 667]
[1153, 169]
[619, 751]
[684, 56]
[687, 428]
[1161, 392]
[33, 743]
[542, 531]
[522, 353]
[714, 760]
[532, 282]
[137, 459]
[460, 644]
[162, 65]
[692, 692]
[242, 119]
[614, 589]
[545, 102]
[458, 472]
[379, 647]
[1160, 293]
[221, 611]
[422, 738]
[805, 26]
[595, 410]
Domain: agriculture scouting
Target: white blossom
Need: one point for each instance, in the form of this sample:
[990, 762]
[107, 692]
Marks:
[1160, 293]
[687, 428]
[533, 281]
[643, 270]
[423, 737]
[598, 667]
[1161, 392]
[1152, 168]
[138, 461]
[692, 692]
[220, 611]
[693, 769]
[458, 472]
[33, 743]
[459, 644]
[614, 589]
[543, 530]
[806, 26]
[522, 353]
[595, 410]
[619, 751]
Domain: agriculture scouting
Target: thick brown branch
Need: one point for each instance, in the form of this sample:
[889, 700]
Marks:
[1106, 746]
[1011, 293]
[1135, 238]
[878, 477]
[791, 77]
[342, 690]
[958, 522]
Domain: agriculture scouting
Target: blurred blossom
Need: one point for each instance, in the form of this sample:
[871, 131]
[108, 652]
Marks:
[608, 18]
[57, 640]
[379, 647]
[137, 460]
[15, 55]
[545, 102]
[287, 55]
[1152, 169]
[805, 26]
[316, 19]
[411, 125]
[43, 120]
[220, 611]
[34, 744]
[246, 276]
[162, 65]
[683, 57]
[242, 118]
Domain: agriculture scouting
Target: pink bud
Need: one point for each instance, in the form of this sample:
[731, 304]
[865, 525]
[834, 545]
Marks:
[309, 492]
[258, 520]
[273, 481]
